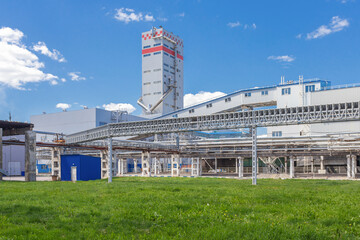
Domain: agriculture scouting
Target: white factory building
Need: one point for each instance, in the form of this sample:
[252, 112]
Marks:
[286, 94]
[162, 91]
[68, 122]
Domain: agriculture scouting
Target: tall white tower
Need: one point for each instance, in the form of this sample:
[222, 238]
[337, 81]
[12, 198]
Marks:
[162, 73]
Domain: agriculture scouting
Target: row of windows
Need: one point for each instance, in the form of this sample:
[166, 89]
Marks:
[146, 55]
[166, 45]
[147, 46]
[277, 133]
[156, 53]
[166, 65]
[155, 70]
[248, 94]
[286, 91]
[228, 99]
[155, 93]
[155, 82]
[310, 88]
[157, 44]
[266, 92]
[209, 105]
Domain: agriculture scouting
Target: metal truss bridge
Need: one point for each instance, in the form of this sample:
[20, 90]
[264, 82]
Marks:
[247, 119]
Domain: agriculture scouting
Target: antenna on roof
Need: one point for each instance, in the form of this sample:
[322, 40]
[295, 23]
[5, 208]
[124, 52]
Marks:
[282, 80]
[301, 78]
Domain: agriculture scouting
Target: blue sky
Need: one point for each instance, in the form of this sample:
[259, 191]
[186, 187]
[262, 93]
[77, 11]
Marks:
[89, 52]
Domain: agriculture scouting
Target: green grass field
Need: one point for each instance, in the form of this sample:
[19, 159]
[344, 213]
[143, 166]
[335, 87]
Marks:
[180, 208]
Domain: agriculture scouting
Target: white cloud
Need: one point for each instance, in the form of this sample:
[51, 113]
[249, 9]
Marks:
[234, 24]
[162, 19]
[75, 76]
[243, 26]
[299, 36]
[336, 24]
[10, 35]
[119, 107]
[127, 15]
[18, 65]
[149, 18]
[284, 58]
[54, 82]
[54, 54]
[192, 99]
[63, 79]
[181, 14]
[63, 106]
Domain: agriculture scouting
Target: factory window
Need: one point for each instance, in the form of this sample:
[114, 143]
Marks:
[157, 44]
[172, 56]
[146, 55]
[166, 64]
[156, 53]
[172, 72]
[310, 88]
[172, 48]
[248, 94]
[209, 105]
[156, 70]
[264, 92]
[166, 70]
[166, 45]
[157, 81]
[277, 133]
[172, 67]
[285, 91]
[228, 99]
[166, 54]
[191, 110]
[157, 93]
[147, 83]
[147, 94]
[175, 116]
[147, 71]
[147, 46]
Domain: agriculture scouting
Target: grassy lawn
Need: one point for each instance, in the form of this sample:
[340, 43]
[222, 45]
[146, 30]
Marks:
[180, 208]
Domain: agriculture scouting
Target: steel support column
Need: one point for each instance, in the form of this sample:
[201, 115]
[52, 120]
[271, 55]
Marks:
[30, 156]
[353, 166]
[292, 166]
[348, 165]
[241, 167]
[254, 155]
[110, 160]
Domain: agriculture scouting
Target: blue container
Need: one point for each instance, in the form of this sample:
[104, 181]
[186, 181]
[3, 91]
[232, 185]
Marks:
[87, 167]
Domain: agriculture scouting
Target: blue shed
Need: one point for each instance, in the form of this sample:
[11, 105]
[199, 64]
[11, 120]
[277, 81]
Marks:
[84, 167]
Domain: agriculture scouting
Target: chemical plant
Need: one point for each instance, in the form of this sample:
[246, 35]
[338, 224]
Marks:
[305, 128]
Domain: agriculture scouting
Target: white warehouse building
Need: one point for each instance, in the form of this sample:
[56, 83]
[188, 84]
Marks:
[286, 94]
